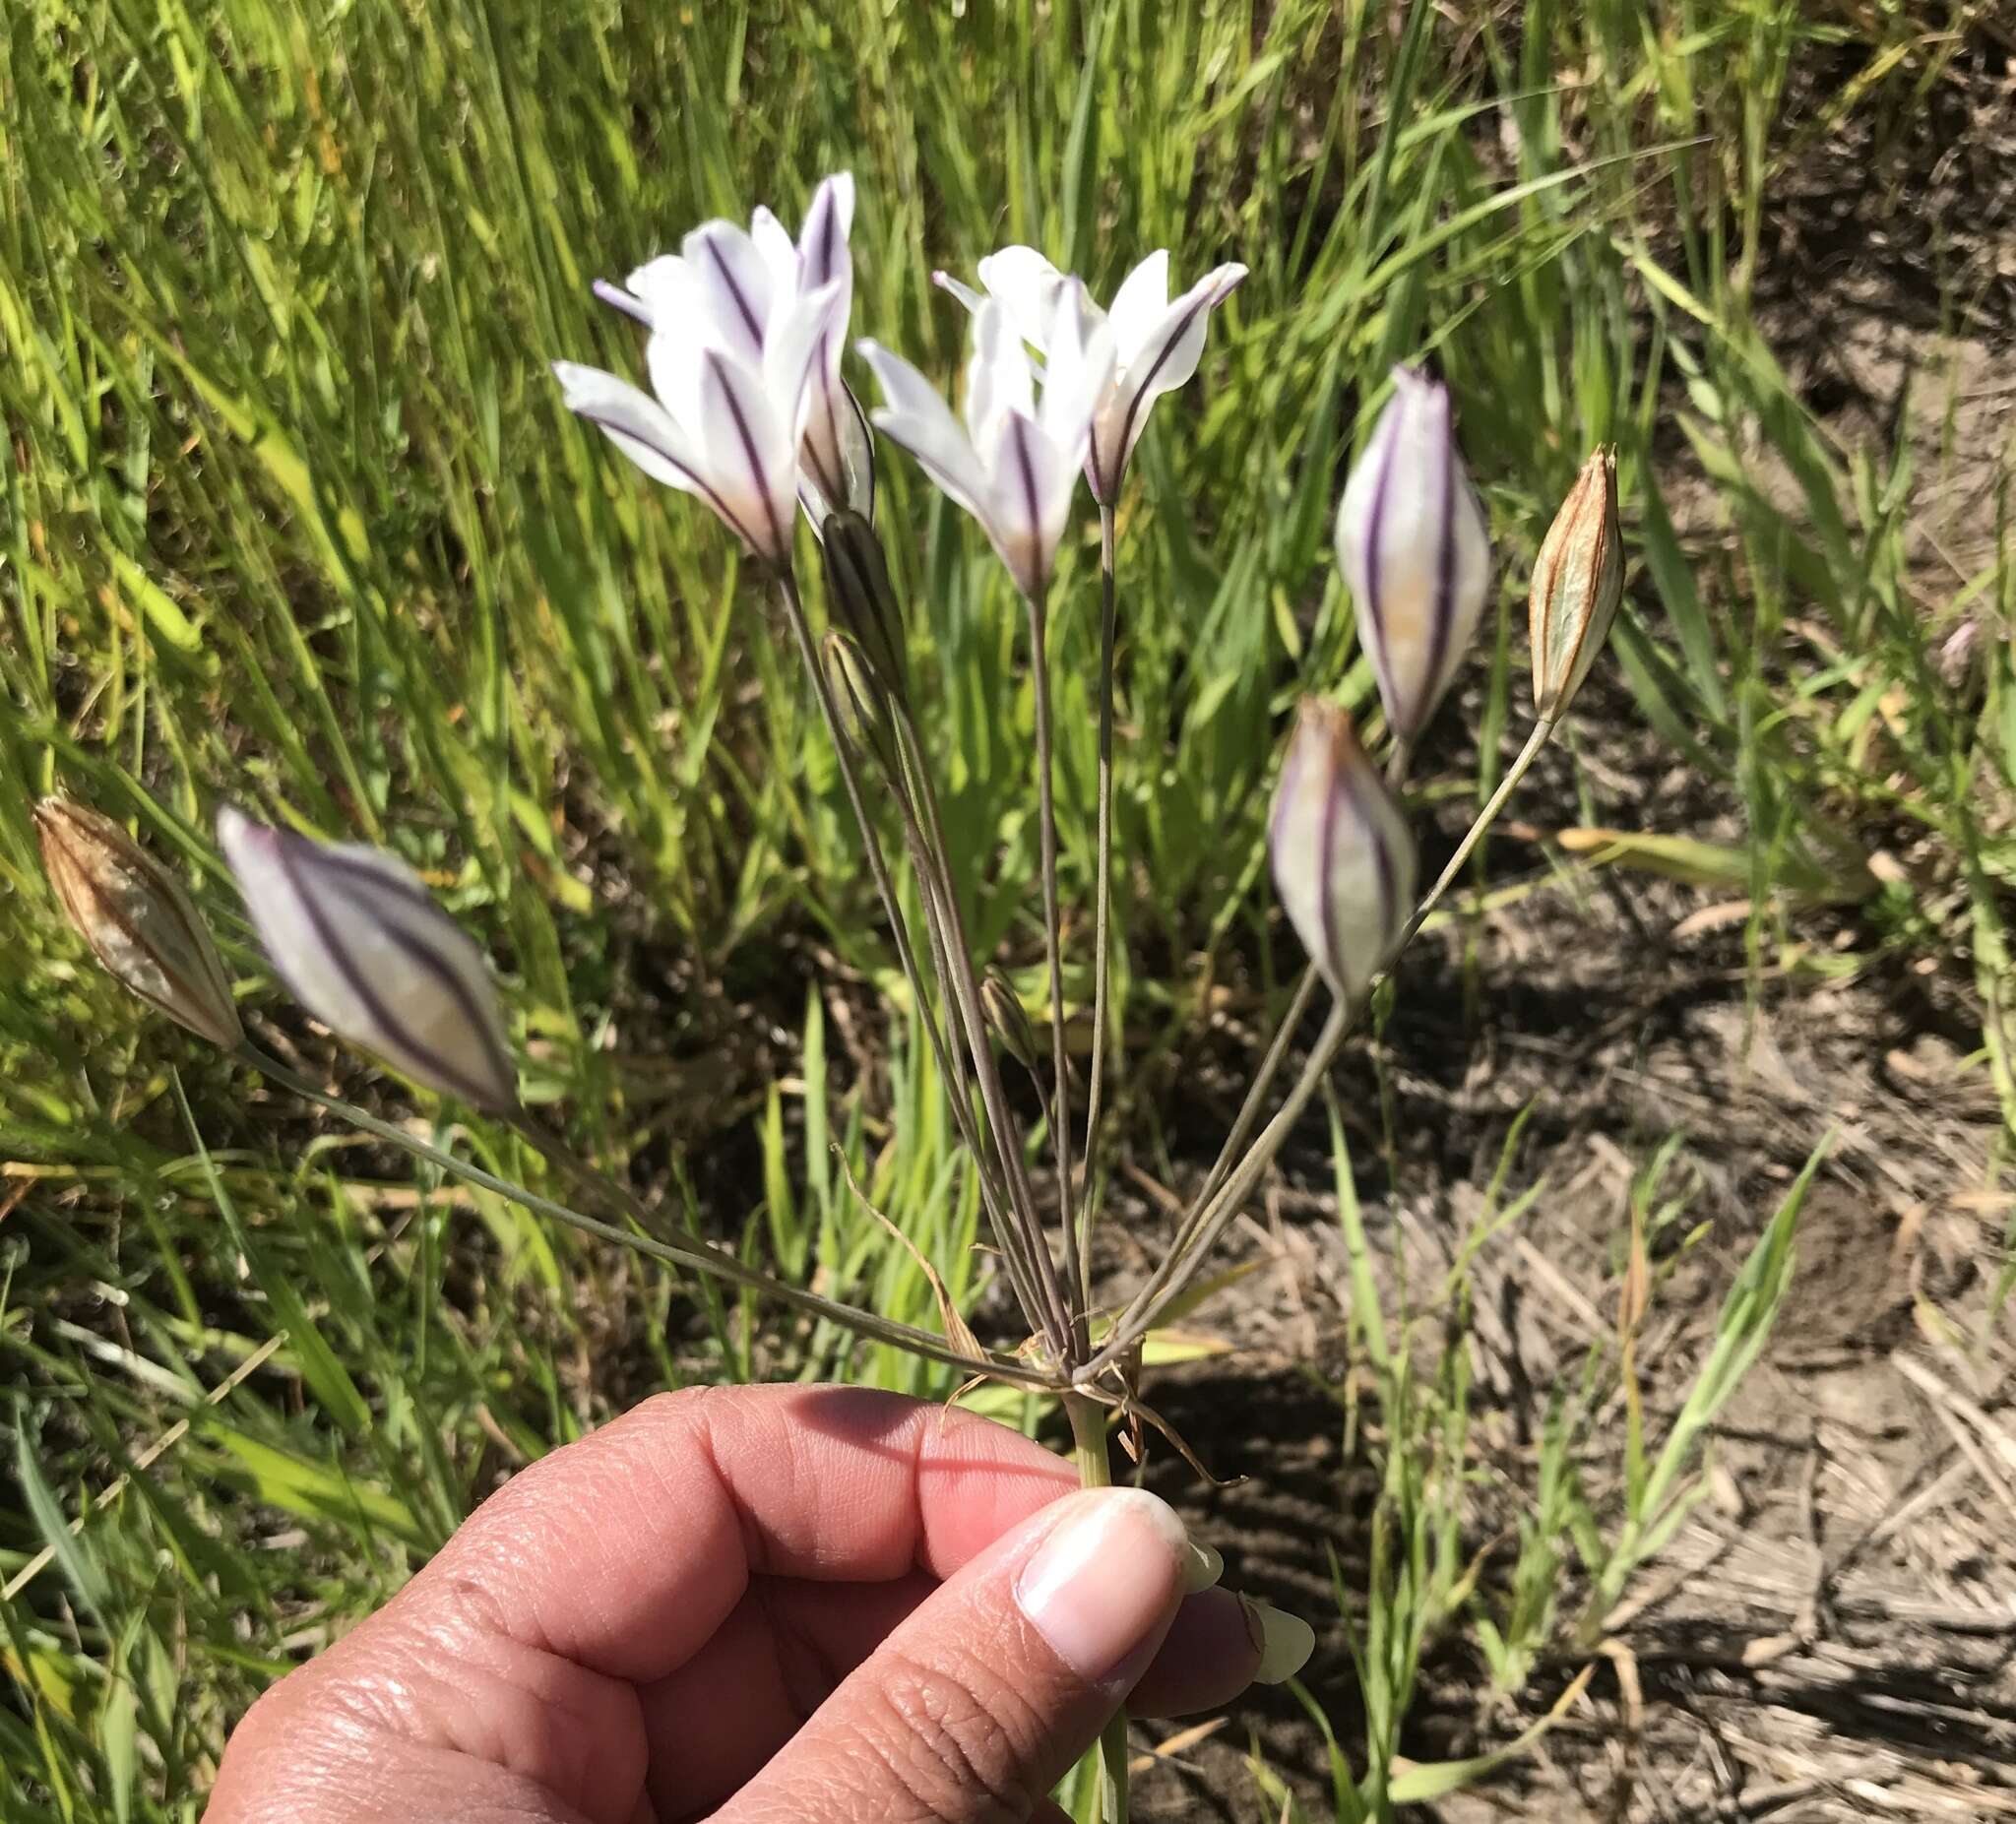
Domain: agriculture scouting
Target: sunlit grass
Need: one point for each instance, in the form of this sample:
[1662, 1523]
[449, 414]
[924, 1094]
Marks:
[292, 516]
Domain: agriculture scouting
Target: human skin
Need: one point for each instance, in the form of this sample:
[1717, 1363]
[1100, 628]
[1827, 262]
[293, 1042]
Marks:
[826, 1605]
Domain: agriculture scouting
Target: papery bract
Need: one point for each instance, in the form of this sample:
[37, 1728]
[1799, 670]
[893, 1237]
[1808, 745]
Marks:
[138, 919]
[1344, 860]
[1578, 581]
[362, 944]
[1157, 342]
[1415, 551]
[1014, 462]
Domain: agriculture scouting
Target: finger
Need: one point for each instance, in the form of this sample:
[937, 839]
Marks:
[606, 1564]
[977, 1703]
[626, 1551]
[716, 1720]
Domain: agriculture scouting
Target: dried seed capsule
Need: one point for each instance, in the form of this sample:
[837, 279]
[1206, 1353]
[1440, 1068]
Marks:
[1578, 580]
[1415, 551]
[1344, 861]
[138, 919]
[362, 944]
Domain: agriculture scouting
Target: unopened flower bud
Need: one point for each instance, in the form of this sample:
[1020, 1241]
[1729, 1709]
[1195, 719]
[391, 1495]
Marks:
[863, 600]
[1008, 1019]
[858, 701]
[1344, 861]
[138, 919]
[1578, 580]
[359, 941]
[1415, 551]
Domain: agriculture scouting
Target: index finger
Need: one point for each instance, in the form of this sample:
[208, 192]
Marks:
[625, 1551]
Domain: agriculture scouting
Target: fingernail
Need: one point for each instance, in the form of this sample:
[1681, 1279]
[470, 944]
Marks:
[1112, 1569]
[1284, 1641]
[1202, 1567]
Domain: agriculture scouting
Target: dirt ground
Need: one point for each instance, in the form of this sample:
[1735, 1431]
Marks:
[1830, 1636]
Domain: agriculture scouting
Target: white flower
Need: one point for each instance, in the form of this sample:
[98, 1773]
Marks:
[1413, 547]
[1157, 343]
[746, 333]
[1012, 465]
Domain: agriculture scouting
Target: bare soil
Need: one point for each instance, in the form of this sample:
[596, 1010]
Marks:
[1830, 1635]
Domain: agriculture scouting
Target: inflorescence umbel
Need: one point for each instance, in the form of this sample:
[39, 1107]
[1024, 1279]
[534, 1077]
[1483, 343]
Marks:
[748, 409]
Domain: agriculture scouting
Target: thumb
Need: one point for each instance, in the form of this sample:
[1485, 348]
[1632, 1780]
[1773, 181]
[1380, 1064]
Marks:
[980, 1700]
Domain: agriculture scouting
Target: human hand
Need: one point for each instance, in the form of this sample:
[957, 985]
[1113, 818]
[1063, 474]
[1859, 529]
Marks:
[826, 1605]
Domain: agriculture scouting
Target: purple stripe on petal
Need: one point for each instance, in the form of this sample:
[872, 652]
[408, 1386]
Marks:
[735, 291]
[1332, 948]
[1445, 558]
[1374, 532]
[780, 546]
[1139, 387]
[476, 1015]
[700, 485]
[290, 851]
[1022, 428]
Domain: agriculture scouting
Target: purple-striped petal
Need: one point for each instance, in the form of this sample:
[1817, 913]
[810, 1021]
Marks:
[1415, 551]
[360, 943]
[1344, 861]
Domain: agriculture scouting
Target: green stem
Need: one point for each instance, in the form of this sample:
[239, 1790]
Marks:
[1216, 1204]
[1095, 1470]
[1102, 902]
[1053, 943]
[692, 1252]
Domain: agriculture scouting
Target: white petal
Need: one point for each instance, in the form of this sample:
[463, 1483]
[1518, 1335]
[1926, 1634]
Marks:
[801, 335]
[920, 420]
[774, 243]
[998, 380]
[635, 422]
[1168, 356]
[823, 255]
[1138, 306]
[965, 294]
[1027, 286]
[735, 289]
[667, 289]
[752, 455]
[1080, 373]
[628, 302]
[1028, 499]
[362, 944]
[672, 356]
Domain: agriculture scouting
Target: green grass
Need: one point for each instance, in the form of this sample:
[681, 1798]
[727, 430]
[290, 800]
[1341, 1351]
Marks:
[292, 516]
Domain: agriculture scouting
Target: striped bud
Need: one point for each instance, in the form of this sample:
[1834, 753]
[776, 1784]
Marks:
[1008, 1019]
[1415, 551]
[138, 919]
[1578, 580]
[862, 599]
[1344, 862]
[362, 946]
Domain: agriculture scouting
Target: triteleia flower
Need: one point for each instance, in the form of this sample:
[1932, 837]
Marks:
[138, 919]
[1013, 465]
[1157, 343]
[1578, 580]
[746, 333]
[359, 941]
[1413, 548]
[1344, 861]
